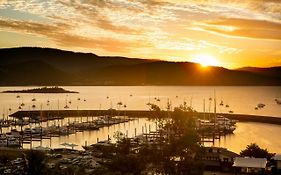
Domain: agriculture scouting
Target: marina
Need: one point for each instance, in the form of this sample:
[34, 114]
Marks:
[77, 124]
[38, 131]
[151, 87]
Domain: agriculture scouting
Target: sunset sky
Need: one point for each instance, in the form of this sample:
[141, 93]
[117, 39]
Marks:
[235, 33]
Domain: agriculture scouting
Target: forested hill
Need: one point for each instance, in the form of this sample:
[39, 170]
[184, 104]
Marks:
[46, 66]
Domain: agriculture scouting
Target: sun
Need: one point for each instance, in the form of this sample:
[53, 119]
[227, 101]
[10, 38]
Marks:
[206, 60]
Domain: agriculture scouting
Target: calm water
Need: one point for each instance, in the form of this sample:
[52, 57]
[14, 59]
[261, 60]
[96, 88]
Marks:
[265, 135]
[240, 99]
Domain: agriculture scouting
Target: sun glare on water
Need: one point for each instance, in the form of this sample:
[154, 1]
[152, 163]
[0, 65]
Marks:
[206, 60]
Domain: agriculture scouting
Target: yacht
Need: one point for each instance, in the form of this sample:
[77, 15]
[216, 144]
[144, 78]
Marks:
[13, 142]
[120, 103]
[98, 145]
[221, 120]
[8, 140]
[226, 124]
[261, 105]
[66, 106]
[278, 101]
[100, 121]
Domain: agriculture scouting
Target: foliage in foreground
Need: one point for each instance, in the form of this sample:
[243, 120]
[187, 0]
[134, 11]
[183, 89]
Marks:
[175, 152]
[253, 150]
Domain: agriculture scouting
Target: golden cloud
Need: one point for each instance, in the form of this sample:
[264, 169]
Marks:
[61, 34]
[258, 29]
[91, 12]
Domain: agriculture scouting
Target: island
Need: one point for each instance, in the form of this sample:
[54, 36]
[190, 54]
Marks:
[54, 89]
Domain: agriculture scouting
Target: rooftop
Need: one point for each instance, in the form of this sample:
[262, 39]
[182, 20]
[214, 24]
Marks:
[250, 162]
[277, 157]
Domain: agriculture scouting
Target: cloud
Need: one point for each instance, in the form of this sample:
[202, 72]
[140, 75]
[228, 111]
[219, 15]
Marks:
[258, 29]
[91, 12]
[151, 28]
[61, 34]
[253, 9]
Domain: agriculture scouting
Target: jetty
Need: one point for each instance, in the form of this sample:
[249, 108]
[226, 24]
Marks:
[45, 115]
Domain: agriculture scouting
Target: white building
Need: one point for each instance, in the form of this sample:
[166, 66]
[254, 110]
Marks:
[249, 165]
[277, 158]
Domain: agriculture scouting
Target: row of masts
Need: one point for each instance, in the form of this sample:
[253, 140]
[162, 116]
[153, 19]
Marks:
[211, 123]
[36, 131]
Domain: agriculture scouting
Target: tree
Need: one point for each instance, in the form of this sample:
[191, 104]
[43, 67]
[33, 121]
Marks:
[126, 164]
[253, 150]
[190, 167]
[124, 146]
[35, 162]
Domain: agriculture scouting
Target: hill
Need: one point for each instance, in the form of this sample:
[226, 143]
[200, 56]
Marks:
[52, 67]
[271, 71]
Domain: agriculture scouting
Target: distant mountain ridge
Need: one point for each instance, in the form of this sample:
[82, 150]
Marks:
[270, 71]
[46, 66]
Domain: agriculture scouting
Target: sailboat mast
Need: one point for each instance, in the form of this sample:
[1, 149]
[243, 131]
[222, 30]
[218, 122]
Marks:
[204, 109]
[215, 107]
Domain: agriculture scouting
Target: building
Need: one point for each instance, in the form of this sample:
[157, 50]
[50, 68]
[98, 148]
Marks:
[217, 158]
[276, 164]
[249, 165]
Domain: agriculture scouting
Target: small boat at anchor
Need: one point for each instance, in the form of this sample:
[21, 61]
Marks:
[261, 105]
[278, 101]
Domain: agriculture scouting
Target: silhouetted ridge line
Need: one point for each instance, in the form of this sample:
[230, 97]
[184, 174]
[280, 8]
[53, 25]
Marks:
[51, 67]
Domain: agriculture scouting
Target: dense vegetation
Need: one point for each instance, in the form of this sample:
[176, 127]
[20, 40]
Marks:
[253, 150]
